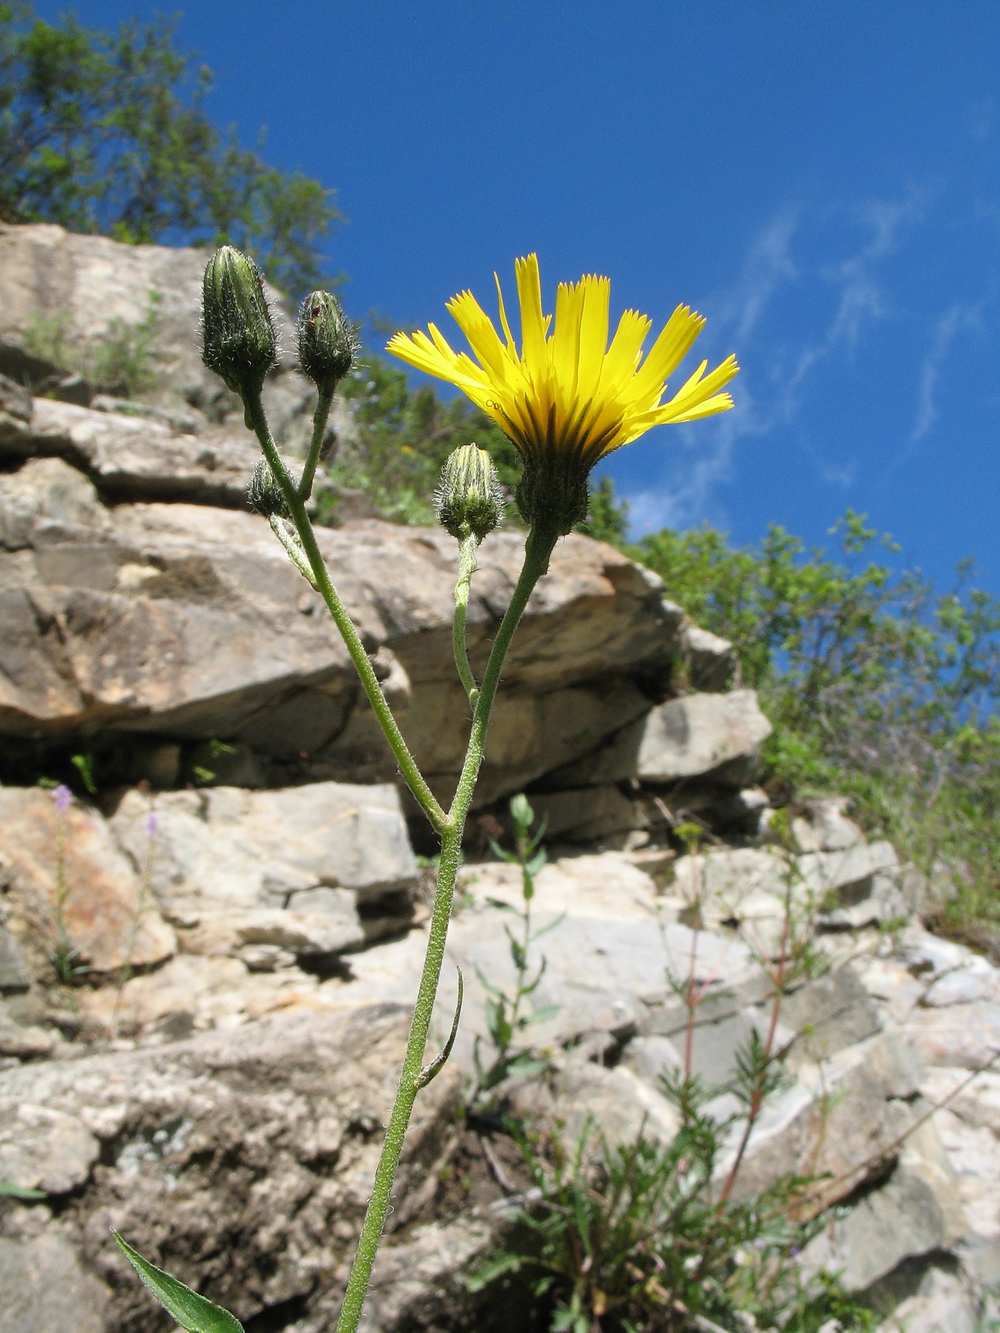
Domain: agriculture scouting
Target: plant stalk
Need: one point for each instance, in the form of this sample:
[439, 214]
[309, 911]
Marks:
[369, 681]
[466, 569]
[320, 416]
[538, 549]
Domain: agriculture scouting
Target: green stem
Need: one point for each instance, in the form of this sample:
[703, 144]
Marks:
[316, 444]
[466, 569]
[538, 549]
[362, 663]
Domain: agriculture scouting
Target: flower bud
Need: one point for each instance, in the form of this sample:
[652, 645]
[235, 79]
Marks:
[264, 493]
[238, 340]
[470, 499]
[327, 343]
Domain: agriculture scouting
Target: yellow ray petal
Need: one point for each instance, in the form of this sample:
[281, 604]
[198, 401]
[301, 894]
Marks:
[569, 396]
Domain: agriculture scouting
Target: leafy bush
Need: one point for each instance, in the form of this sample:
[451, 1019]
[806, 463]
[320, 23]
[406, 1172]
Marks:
[630, 1239]
[877, 685]
[105, 132]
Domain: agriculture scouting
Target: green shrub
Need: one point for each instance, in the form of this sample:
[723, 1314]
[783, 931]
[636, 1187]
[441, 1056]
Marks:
[878, 686]
[633, 1239]
[105, 132]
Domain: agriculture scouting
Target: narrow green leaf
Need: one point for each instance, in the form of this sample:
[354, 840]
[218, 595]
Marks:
[549, 925]
[194, 1313]
[525, 1065]
[542, 1014]
[20, 1191]
[502, 906]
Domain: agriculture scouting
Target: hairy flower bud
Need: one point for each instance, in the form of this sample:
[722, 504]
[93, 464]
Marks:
[264, 493]
[238, 340]
[470, 499]
[327, 342]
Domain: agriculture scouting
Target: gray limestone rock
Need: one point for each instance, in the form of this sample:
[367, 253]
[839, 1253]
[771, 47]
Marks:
[14, 974]
[93, 290]
[266, 1135]
[825, 827]
[711, 661]
[702, 734]
[849, 868]
[15, 413]
[44, 1148]
[900, 1220]
[245, 651]
[586, 1101]
[828, 1015]
[135, 457]
[843, 1118]
[936, 1297]
[587, 814]
[697, 736]
[48, 504]
[44, 1289]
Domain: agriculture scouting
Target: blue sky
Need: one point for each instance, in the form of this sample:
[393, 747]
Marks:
[820, 180]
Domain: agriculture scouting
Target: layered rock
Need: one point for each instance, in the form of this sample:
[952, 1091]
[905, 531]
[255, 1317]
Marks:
[204, 978]
[179, 623]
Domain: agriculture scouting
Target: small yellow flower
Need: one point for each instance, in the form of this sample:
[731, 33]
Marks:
[567, 400]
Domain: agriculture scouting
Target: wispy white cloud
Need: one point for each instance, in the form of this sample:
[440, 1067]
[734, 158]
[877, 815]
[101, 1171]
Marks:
[817, 289]
[767, 269]
[952, 322]
[686, 489]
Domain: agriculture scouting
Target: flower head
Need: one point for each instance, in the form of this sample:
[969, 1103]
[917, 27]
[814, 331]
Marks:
[568, 399]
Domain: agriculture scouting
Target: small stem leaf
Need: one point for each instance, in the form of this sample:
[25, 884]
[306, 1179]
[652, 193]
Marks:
[436, 1065]
[486, 984]
[194, 1313]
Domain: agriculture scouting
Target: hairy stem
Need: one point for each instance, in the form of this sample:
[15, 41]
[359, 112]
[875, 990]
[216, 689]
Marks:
[321, 578]
[538, 549]
[320, 416]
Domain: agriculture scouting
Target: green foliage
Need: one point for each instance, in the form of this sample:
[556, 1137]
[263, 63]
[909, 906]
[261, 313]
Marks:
[194, 1313]
[20, 1192]
[106, 132]
[118, 363]
[877, 685]
[630, 1239]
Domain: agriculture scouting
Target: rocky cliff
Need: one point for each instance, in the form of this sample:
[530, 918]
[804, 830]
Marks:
[205, 970]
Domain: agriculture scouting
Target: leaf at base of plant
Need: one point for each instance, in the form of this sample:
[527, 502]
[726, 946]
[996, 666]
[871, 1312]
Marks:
[194, 1313]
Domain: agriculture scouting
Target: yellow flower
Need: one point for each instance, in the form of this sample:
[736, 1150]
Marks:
[568, 399]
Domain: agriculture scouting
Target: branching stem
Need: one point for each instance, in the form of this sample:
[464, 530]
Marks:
[323, 584]
[538, 549]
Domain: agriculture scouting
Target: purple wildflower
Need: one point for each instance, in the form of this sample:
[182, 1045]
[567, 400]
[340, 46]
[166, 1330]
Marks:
[62, 796]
